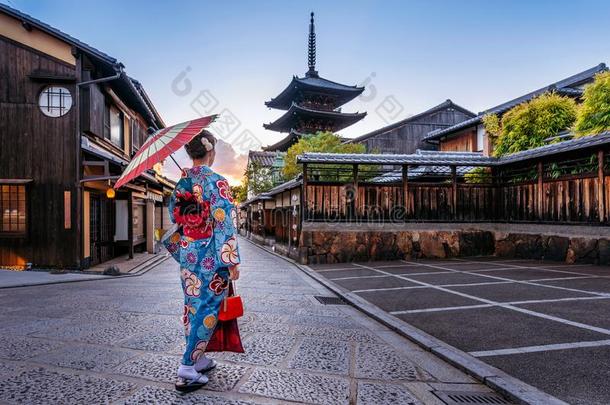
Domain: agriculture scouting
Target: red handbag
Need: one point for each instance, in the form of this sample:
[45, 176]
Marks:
[225, 338]
[226, 335]
[232, 307]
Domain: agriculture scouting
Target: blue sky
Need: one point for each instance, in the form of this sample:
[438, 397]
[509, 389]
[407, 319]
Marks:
[413, 54]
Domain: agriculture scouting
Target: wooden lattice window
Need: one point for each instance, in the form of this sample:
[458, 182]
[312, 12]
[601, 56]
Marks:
[55, 101]
[13, 208]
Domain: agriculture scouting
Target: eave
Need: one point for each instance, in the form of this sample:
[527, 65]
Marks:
[287, 121]
[343, 93]
[284, 143]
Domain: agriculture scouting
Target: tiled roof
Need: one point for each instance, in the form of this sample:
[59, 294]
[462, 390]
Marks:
[342, 92]
[261, 196]
[390, 159]
[285, 122]
[445, 104]
[268, 195]
[457, 159]
[321, 82]
[264, 158]
[565, 86]
[285, 186]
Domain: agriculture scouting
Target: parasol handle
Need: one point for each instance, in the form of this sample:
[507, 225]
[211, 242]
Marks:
[175, 162]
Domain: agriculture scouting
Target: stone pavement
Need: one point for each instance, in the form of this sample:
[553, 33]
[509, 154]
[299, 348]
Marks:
[119, 341]
[9, 278]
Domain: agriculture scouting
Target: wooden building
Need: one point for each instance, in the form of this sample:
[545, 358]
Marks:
[70, 120]
[407, 136]
[266, 164]
[312, 104]
[549, 202]
[470, 136]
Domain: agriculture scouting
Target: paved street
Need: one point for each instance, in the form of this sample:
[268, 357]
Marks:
[119, 341]
[545, 323]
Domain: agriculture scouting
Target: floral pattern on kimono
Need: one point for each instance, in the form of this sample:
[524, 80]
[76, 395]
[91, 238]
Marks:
[204, 262]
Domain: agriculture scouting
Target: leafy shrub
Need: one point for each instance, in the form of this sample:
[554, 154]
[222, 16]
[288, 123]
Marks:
[478, 175]
[320, 142]
[491, 122]
[594, 113]
[527, 125]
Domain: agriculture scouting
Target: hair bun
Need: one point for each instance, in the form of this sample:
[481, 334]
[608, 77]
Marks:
[208, 146]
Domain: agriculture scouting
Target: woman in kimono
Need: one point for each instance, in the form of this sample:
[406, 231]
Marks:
[205, 245]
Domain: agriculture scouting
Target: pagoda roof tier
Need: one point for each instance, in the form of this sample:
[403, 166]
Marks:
[296, 115]
[285, 143]
[314, 84]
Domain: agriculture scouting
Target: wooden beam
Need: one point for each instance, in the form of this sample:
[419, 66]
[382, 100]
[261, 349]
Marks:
[405, 189]
[454, 191]
[601, 203]
[540, 194]
[304, 194]
[130, 224]
[355, 185]
[16, 181]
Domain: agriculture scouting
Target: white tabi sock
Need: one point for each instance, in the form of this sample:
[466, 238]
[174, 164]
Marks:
[189, 373]
[203, 363]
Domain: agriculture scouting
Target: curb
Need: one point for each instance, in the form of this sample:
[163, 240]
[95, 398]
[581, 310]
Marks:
[496, 379]
[151, 264]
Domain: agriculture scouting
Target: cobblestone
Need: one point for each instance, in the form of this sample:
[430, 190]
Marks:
[301, 387]
[381, 362]
[354, 335]
[322, 355]
[40, 386]
[155, 395]
[262, 349]
[86, 357]
[384, 394]
[152, 367]
[21, 348]
[120, 341]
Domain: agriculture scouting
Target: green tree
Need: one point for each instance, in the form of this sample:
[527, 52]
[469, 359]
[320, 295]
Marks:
[492, 125]
[594, 113]
[240, 192]
[320, 142]
[257, 178]
[527, 125]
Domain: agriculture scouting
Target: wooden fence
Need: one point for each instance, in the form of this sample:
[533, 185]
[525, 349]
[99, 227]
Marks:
[538, 192]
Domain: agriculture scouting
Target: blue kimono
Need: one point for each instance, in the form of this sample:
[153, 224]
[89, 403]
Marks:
[204, 258]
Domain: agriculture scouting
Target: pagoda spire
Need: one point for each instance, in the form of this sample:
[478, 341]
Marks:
[311, 50]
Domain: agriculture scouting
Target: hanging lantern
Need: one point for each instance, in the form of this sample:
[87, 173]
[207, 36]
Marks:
[110, 193]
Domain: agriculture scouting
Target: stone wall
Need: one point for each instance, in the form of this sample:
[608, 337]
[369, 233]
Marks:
[341, 243]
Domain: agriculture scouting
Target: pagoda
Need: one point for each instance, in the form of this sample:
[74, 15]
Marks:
[312, 103]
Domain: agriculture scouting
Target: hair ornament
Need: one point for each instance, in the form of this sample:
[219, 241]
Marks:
[207, 144]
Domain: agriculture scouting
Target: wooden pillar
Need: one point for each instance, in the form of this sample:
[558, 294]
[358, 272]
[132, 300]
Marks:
[498, 195]
[130, 223]
[150, 226]
[405, 190]
[540, 194]
[355, 185]
[601, 203]
[454, 191]
[304, 204]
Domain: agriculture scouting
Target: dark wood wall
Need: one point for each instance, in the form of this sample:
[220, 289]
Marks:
[466, 141]
[41, 148]
[408, 138]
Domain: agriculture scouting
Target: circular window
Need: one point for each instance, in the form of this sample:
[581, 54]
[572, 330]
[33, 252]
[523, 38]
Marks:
[55, 101]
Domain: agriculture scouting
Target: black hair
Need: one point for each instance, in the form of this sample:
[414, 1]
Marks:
[196, 149]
